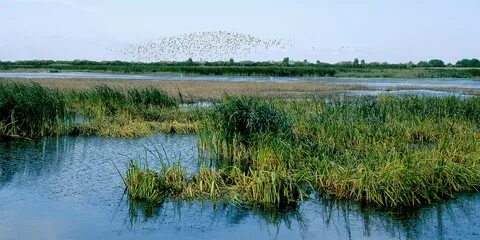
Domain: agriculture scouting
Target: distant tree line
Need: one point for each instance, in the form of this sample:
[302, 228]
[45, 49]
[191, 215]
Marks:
[468, 63]
[286, 67]
[285, 62]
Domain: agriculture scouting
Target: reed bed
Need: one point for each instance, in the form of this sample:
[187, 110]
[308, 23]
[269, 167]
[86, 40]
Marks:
[387, 152]
[30, 110]
[255, 188]
[130, 112]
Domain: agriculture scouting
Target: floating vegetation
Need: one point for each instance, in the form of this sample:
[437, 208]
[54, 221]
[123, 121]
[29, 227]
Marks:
[204, 46]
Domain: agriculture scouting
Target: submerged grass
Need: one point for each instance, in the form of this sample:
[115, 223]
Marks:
[388, 152]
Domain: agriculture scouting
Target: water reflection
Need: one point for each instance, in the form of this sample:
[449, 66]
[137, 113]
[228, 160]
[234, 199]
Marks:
[218, 213]
[413, 92]
[44, 156]
[70, 182]
[328, 217]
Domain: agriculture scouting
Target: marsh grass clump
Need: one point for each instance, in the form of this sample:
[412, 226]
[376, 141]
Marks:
[251, 160]
[392, 152]
[29, 110]
[254, 188]
[104, 100]
[387, 152]
[237, 123]
[142, 183]
[151, 97]
[116, 112]
[246, 117]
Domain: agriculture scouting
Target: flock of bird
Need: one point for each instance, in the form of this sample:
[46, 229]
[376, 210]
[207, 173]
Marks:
[202, 46]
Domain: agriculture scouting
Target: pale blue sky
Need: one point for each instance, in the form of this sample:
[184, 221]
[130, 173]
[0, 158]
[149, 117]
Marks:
[329, 31]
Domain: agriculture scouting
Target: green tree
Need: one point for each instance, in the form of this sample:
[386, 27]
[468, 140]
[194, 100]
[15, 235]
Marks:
[422, 64]
[410, 64]
[468, 63]
[231, 61]
[436, 63]
[362, 62]
[355, 62]
[286, 61]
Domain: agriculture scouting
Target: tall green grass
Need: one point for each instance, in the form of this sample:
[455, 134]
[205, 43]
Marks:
[255, 188]
[29, 110]
[385, 151]
[130, 112]
[248, 166]
[394, 152]
[107, 101]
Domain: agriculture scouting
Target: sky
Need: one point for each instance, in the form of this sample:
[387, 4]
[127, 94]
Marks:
[325, 30]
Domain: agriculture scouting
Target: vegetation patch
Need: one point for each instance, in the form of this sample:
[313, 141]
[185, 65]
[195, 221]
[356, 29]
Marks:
[387, 152]
[30, 110]
[465, 68]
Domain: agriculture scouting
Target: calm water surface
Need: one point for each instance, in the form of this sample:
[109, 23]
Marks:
[377, 83]
[68, 188]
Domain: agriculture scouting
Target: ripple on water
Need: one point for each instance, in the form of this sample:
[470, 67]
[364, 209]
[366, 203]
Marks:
[67, 188]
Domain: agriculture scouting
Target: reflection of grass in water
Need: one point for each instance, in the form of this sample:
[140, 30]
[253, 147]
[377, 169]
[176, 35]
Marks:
[399, 224]
[39, 157]
[344, 216]
[141, 212]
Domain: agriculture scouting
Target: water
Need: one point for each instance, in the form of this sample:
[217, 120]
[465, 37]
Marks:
[376, 83]
[413, 92]
[68, 188]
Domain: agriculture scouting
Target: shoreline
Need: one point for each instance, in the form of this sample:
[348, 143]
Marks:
[204, 90]
[256, 71]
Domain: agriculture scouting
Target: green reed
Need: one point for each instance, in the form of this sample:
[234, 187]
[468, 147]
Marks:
[385, 151]
[29, 110]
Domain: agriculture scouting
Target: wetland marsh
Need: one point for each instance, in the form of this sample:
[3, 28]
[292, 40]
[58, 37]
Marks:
[299, 167]
[239, 120]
